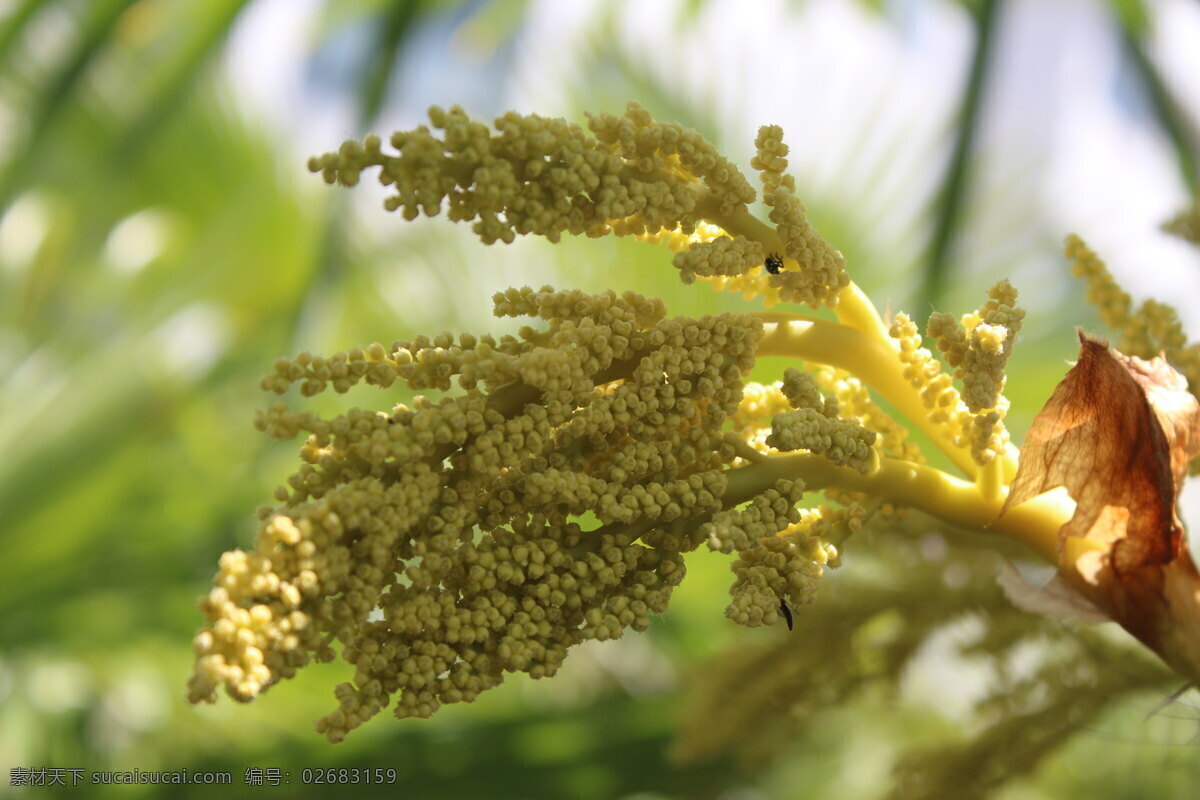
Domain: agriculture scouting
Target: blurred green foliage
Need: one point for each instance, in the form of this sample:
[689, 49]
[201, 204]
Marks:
[160, 246]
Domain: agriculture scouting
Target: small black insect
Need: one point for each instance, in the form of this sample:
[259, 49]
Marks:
[774, 263]
[787, 612]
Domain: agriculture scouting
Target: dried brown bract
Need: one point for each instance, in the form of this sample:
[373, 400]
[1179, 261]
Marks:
[1118, 433]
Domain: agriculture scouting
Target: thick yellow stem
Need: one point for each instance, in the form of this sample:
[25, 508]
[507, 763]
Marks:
[868, 358]
[855, 310]
[956, 501]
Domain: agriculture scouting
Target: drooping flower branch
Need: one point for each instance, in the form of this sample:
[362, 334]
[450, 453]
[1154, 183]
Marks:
[549, 500]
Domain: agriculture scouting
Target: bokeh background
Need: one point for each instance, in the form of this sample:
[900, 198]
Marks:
[161, 242]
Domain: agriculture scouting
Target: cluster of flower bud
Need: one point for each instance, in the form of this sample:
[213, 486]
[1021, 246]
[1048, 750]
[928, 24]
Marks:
[545, 176]
[814, 426]
[738, 264]
[670, 151]
[822, 274]
[978, 345]
[725, 263]
[723, 256]
[983, 433]
[632, 176]
[854, 401]
[782, 550]
[438, 544]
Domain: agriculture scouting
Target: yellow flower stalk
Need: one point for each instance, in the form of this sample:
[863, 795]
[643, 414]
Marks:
[546, 490]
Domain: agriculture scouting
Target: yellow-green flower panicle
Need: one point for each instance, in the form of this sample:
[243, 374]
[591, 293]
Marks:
[544, 176]
[814, 426]
[844, 442]
[733, 264]
[436, 544]
[650, 147]
[782, 550]
[978, 347]
[766, 514]
[724, 256]
[801, 391]
[250, 645]
[727, 265]
[821, 274]
[945, 406]
[854, 402]
[341, 371]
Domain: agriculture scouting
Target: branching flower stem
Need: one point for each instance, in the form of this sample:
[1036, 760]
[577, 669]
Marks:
[953, 500]
[872, 357]
[859, 344]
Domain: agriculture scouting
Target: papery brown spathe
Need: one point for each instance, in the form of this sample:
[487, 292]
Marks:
[1118, 433]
